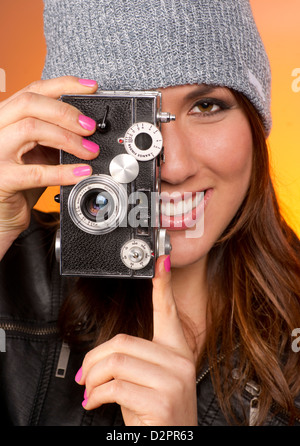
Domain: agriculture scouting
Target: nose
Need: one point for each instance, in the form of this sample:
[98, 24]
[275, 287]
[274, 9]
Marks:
[179, 164]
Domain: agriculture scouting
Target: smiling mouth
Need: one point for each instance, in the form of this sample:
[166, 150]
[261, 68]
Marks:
[179, 206]
[183, 211]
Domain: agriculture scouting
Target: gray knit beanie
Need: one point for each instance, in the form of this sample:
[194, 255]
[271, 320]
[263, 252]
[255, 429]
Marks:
[148, 44]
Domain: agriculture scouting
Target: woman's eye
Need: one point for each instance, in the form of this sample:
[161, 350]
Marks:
[205, 107]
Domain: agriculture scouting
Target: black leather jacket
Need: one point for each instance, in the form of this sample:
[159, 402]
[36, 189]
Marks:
[37, 384]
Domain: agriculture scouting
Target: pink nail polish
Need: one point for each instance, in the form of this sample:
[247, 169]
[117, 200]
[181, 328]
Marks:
[78, 375]
[84, 402]
[167, 264]
[86, 123]
[90, 145]
[87, 82]
[85, 395]
[82, 171]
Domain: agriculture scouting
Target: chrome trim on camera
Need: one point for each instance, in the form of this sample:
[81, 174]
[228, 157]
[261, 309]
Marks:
[135, 254]
[124, 168]
[57, 246]
[119, 211]
[163, 242]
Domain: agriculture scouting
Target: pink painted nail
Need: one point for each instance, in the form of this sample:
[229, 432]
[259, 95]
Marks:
[85, 395]
[90, 145]
[84, 402]
[167, 264]
[87, 82]
[82, 171]
[86, 123]
[78, 375]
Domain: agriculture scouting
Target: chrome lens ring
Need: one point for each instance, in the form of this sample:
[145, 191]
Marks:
[118, 207]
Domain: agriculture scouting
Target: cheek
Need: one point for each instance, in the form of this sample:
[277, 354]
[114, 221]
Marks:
[227, 151]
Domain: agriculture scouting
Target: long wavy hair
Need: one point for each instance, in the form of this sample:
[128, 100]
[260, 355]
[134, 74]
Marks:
[253, 275]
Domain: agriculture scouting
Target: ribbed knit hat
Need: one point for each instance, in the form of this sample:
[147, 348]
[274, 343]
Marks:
[148, 44]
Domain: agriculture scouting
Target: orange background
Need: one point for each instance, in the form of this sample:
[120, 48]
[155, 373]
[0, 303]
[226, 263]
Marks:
[22, 53]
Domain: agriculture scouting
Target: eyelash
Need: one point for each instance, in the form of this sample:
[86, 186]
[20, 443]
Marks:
[210, 101]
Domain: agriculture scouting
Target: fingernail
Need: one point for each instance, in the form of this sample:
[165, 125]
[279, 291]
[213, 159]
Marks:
[87, 123]
[82, 171]
[90, 145]
[85, 395]
[87, 82]
[84, 402]
[78, 375]
[167, 264]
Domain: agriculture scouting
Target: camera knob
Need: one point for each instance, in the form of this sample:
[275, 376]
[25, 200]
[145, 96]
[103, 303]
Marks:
[124, 168]
[57, 198]
[163, 244]
[164, 117]
[57, 246]
[104, 125]
[135, 254]
[143, 141]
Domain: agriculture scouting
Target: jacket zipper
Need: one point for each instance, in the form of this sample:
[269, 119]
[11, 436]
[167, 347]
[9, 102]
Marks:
[42, 331]
[254, 390]
[206, 371]
[24, 329]
[203, 375]
[251, 387]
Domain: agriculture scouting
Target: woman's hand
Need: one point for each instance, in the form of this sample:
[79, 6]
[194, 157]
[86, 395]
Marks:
[154, 382]
[33, 125]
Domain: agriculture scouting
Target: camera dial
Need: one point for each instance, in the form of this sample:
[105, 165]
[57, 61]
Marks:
[135, 254]
[124, 168]
[143, 140]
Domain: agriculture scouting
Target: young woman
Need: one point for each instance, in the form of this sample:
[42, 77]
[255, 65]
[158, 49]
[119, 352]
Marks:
[208, 341]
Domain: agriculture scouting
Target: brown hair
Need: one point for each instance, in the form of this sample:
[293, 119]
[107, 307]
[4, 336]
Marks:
[254, 283]
[253, 275]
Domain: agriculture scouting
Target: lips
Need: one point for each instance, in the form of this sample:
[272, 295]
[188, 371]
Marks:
[183, 211]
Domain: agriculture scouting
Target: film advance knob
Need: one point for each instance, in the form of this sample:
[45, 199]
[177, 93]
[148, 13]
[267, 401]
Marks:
[135, 254]
[163, 243]
[57, 246]
[124, 168]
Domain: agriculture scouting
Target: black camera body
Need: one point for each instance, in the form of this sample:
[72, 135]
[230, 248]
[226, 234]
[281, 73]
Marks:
[110, 221]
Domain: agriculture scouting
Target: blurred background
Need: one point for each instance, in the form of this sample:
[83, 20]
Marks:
[23, 50]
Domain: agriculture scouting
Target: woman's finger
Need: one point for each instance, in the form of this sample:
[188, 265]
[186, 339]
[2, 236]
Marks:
[128, 368]
[168, 331]
[54, 88]
[19, 138]
[128, 395]
[128, 345]
[31, 176]
[32, 105]
[167, 327]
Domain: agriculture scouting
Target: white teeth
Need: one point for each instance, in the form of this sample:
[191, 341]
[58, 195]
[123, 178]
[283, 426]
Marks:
[181, 207]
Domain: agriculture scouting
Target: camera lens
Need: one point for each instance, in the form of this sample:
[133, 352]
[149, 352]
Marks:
[143, 141]
[96, 205]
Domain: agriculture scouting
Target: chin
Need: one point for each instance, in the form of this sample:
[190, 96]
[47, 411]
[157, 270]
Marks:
[186, 251]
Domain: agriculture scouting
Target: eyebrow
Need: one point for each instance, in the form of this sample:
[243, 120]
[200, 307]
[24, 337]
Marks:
[201, 90]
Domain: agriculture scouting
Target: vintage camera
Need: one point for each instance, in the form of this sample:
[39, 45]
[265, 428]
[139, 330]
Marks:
[110, 221]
